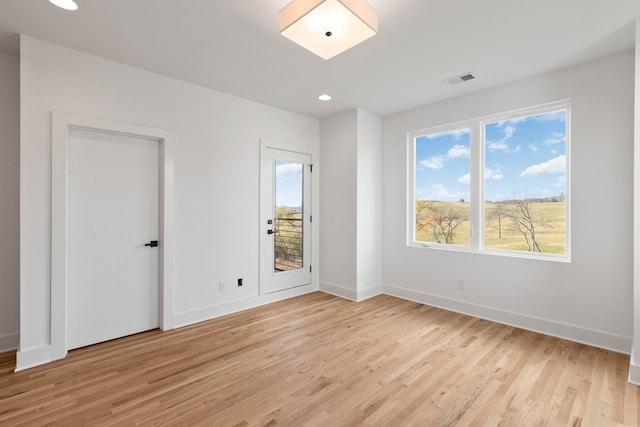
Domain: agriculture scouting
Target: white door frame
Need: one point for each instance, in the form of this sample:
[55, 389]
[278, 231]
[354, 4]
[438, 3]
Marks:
[315, 212]
[61, 123]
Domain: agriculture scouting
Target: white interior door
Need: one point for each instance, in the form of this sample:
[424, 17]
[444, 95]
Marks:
[113, 211]
[286, 222]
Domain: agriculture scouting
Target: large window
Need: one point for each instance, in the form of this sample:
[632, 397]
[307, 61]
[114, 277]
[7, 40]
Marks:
[497, 184]
[442, 187]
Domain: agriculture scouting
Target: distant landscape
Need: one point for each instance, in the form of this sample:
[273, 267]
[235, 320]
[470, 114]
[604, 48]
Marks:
[449, 223]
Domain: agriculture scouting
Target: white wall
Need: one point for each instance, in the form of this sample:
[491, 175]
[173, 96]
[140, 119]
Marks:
[216, 166]
[369, 196]
[351, 216]
[9, 201]
[338, 213]
[587, 300]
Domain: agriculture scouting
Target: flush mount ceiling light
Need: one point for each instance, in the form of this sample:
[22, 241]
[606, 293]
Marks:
[328, 27]
[65, 4]
[324, 97]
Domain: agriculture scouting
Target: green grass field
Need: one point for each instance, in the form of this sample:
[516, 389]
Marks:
[550, 237]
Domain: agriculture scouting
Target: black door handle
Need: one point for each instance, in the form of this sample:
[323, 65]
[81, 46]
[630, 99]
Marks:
[152, 243]
[269, 231]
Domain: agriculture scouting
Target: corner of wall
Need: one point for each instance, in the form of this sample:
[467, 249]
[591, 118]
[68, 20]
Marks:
[9, 342]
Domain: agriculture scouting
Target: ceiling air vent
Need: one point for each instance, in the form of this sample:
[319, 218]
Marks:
[459, 79]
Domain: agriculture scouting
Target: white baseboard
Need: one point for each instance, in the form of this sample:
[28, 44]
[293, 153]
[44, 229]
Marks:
[369, 292]
[338, 291]
[569, 332]
[634, 371]
[350, 294]
[9, 342]
[211, 312]
[33, 357]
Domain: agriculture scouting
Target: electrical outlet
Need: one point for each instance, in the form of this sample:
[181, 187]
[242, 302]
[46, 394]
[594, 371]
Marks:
[240, 282]
[460, 285]
[222, 286]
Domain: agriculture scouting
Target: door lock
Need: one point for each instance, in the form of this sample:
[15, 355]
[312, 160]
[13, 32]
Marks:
[269, 231]
[152, 243]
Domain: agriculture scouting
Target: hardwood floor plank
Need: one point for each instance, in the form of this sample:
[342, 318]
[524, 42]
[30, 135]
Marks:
[318, 360]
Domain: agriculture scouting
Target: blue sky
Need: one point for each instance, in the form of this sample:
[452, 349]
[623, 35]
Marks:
[523, 157]
[288, 184]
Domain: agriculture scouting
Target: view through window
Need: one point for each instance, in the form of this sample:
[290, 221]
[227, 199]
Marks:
[515, 163]
[288, 228]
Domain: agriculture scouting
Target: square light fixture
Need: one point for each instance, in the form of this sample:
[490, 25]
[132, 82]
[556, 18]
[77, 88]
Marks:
[65, 4]
[328, 27]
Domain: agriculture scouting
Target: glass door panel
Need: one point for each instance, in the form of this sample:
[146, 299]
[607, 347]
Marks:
[289, 225]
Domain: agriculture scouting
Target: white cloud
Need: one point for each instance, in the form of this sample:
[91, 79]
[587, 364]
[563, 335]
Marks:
[509, 131]
[561, 182]
[556, 138]
[491, 174]
[512, 121]
[435, 162]
[440, 192]
[555, 165]
[288, 168]
[457, 134]
[488, 174]
[458, 151]
[501, 144]
[498, 146]
[533, 147]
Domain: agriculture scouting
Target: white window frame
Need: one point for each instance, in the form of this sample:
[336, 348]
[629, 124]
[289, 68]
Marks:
[476, 188]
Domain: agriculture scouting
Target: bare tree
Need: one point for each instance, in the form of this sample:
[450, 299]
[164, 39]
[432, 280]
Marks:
[498, 212]
[441, 222]
[525, 221]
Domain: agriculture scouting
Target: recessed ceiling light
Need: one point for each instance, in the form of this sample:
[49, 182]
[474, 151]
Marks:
[65, 4]
[324, 97]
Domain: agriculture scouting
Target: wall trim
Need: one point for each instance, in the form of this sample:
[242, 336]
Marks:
[370, 292]
[594, 338]
[231, 307]
[351, 295]
[26, 359]
[60, 125]
[311, 244]
[9, 342]
[634, 371]
[338, 291]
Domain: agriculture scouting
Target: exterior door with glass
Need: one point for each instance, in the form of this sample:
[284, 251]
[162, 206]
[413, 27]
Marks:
[286, 219]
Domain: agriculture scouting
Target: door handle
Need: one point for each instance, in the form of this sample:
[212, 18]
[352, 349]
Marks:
[152, 243]
[269, 231]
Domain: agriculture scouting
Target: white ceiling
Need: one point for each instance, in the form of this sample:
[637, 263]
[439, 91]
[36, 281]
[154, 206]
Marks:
[234, 46]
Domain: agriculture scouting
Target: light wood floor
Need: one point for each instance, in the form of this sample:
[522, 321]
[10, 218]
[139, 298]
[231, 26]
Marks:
[318, 360]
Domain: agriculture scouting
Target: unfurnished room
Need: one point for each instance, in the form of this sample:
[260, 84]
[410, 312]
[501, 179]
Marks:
[319, 213]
